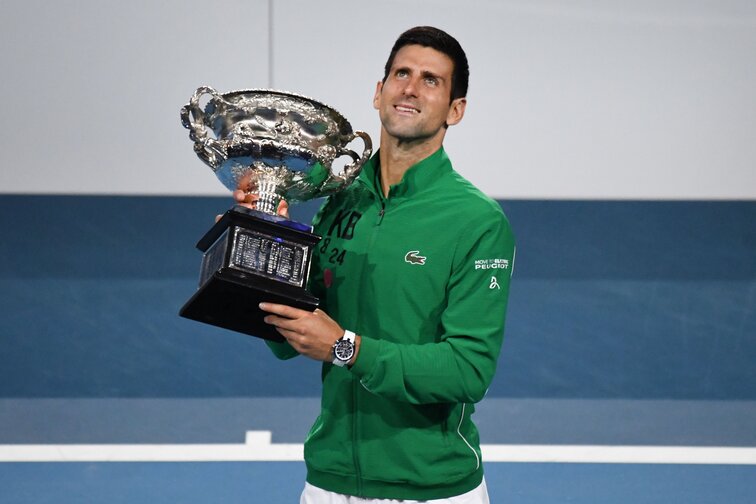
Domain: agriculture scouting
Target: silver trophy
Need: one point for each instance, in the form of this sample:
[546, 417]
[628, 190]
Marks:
[275, 145]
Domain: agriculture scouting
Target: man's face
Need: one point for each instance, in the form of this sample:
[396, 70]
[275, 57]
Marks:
[413, 103]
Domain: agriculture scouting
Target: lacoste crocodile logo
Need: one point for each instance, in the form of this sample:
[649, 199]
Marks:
[412, 257]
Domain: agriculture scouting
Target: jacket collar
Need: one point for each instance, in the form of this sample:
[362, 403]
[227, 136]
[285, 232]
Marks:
[418, 177]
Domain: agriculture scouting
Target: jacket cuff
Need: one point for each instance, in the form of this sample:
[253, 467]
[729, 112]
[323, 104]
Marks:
[282, 350]
[369, 349]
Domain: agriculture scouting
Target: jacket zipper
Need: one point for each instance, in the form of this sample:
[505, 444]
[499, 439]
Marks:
[355, 383]
[356, 437]
[381, 213]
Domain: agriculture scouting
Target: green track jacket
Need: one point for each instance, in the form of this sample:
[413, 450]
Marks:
[423, 277]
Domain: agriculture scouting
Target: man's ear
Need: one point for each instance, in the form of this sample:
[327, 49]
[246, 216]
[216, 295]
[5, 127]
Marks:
[377, 96]
[456, 111]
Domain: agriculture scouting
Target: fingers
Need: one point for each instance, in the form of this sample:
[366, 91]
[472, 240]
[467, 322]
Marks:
[309, 333]
[243, 196]
[291, 329]
[245, 199]
[283, 209]
[287, 319]
[248, 200]
[287, 324]
[283, 310]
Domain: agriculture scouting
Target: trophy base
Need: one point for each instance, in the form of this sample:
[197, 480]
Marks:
[227, 302]
[250, 258]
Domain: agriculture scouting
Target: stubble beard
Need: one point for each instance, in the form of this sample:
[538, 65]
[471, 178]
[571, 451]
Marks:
[410, 135]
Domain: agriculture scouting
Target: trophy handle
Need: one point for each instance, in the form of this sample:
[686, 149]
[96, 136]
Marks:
[209, 150]
[351, 170]
[338, 181]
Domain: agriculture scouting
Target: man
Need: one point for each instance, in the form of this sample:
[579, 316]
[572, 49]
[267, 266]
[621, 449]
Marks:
[413, 274]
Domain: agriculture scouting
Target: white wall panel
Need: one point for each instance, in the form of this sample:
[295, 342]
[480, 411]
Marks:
[568, 99]
[577, 99]
[92, 90]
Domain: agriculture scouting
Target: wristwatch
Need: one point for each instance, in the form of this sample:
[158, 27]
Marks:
[343, 349]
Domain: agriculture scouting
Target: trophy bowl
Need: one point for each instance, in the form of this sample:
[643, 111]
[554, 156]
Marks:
[273, 143]
[277, 145]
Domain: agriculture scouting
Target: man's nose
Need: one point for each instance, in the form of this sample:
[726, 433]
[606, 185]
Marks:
[410, 87]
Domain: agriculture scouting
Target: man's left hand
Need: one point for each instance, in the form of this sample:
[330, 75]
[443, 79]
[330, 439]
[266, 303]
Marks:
[309, 333]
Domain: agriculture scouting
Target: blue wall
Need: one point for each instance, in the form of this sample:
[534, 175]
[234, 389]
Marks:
[621, 299]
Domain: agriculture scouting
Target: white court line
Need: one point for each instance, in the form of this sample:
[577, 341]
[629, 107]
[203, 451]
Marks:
[258, 447]
[600, 454]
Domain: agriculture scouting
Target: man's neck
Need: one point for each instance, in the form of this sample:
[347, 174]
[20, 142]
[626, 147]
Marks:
[397, 156]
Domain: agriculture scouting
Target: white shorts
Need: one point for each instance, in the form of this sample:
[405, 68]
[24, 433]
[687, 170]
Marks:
[314, 495]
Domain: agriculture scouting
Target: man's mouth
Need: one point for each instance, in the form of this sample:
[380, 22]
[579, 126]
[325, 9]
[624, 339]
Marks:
[406, 109]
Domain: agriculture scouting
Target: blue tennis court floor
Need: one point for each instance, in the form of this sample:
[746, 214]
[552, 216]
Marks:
[281, 482]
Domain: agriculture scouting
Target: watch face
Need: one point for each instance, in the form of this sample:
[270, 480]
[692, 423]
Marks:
[343, 350]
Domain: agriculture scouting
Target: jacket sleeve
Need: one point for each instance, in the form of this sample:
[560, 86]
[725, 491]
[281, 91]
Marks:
[460, 365]
[281, 350]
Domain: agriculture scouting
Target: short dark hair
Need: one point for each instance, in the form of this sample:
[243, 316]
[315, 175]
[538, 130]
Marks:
[428, 36]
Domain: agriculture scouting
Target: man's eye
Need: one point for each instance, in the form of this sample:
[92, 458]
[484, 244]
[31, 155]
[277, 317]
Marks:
[431, 81]
[401, 73]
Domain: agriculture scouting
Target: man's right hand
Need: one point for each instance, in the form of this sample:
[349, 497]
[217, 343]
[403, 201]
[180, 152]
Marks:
[248, 200]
